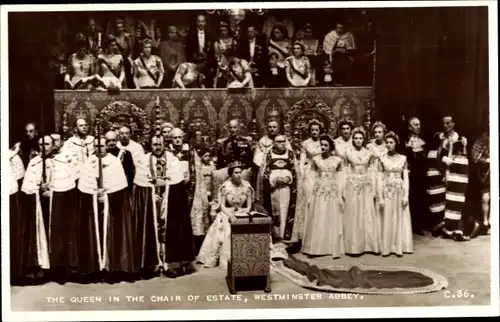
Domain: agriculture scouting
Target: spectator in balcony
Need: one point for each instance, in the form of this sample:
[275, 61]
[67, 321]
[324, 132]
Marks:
[148, 68]
[236, 17]
[236, 32]
[125, 45]
[365, 36]
[279, 45]
[172, 53]
[239, 73]
[276, 77]
[190, 75]
[92, 33]
[81, 66]
[339, 45]
[278, 18]
[253, 49]
[223, 43]
[110, 67]
[312, 50]
[59, 58]
[324, 76]
[148, 28]
[199, 47]
[298, 67]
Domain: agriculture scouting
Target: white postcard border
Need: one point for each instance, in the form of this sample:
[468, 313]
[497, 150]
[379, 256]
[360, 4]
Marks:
[379, 312]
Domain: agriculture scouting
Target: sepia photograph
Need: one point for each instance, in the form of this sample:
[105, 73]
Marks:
[201, 161]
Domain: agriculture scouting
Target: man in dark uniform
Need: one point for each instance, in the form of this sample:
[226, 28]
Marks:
[235, 147]
[28, 146]
[415, 151]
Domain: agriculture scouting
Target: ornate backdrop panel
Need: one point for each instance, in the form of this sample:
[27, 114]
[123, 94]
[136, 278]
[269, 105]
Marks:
[207, 111]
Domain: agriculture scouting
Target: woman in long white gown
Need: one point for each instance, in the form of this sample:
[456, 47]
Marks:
[378, 149]
[236, 197]
[323, 234]
[394, 186]
[361, 228]
[307, 175]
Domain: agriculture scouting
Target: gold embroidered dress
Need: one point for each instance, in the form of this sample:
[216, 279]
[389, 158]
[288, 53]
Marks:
[307, 176]
[397, 236]
[378, 150]
[323, 233]
[361, 222]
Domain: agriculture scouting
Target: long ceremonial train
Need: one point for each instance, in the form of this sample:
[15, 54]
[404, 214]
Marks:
[204, 113]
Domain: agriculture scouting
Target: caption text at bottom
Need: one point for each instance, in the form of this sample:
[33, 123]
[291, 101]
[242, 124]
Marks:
[207, 298]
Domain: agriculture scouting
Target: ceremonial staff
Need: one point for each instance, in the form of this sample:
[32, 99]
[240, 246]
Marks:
[44, 170]
[100, 207]
[99, 156]
[157, 117]
[158, 133]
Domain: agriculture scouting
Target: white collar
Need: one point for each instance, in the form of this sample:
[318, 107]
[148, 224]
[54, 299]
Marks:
[185, 147]
[452, 137]
[87, 139]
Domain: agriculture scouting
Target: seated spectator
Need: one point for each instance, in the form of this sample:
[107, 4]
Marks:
[340, 46]
[81, 67]
[298, 67]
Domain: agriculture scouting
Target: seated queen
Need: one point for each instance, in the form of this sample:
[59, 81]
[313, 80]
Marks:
[236, 198]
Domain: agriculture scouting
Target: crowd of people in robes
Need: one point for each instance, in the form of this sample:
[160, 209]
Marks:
[93, 209]
[268, 50]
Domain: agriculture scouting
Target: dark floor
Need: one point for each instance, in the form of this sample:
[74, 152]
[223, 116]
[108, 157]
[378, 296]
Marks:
[465, 265]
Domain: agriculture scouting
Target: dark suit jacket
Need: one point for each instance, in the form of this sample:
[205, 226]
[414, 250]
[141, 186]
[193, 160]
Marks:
[192, 44]
[234, 149]
[260, 59]
[260, 54]
[192, 50]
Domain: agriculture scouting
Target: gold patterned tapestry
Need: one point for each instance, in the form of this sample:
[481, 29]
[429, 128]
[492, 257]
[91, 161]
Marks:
[206, 111]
